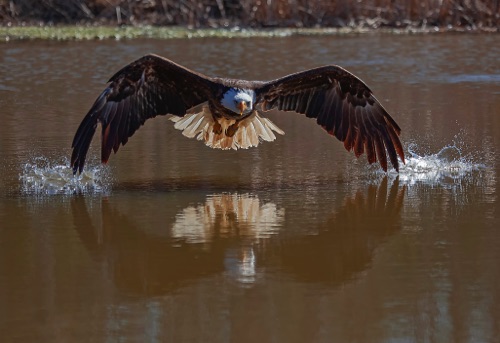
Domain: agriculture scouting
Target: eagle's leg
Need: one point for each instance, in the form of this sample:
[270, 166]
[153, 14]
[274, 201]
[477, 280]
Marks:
[217, 128]
[231, 130]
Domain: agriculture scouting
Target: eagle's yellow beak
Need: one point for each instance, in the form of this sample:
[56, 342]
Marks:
[242, 106]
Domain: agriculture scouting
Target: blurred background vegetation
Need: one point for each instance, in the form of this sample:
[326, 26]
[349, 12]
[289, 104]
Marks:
[255, 13]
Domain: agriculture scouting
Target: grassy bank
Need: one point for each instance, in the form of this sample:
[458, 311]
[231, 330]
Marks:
[130, 32]
[118, 19]
[472, 14]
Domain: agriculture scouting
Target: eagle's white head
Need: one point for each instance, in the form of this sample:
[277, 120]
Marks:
[240, 101]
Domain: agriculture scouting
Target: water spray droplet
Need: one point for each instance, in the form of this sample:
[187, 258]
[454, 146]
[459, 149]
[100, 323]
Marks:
[443, 166]
[43, 176]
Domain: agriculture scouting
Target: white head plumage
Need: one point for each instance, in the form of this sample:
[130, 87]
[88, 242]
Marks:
[234, 97]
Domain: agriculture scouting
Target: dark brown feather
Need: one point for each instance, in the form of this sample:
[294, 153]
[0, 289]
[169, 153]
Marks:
[379, 148]
[343, 105]
[148, 87]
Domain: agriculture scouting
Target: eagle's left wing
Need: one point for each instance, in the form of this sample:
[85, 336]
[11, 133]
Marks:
[343, 105]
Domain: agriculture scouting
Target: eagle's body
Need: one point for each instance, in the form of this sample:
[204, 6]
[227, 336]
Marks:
[225, 113]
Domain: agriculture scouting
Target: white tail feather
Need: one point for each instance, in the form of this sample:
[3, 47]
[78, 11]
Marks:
[251, 130]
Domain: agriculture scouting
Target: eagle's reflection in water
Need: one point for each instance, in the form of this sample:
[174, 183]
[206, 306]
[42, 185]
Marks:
[234, 236]
[225, 215]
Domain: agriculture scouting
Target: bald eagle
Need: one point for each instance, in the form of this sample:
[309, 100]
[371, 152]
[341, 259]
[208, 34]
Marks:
[226, 113]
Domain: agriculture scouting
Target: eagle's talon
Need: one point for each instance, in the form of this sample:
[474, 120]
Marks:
[217, 128]
[231, 130]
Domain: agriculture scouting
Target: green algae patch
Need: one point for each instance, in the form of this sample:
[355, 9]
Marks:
[80, 32]
[131, 32]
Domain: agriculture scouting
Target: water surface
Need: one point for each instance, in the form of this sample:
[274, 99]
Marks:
[293, 241]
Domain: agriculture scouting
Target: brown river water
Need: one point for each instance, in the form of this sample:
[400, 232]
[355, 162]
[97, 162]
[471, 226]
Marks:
[293, 241]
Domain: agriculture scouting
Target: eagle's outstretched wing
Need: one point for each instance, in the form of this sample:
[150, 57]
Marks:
[343, 105]
[145, 88]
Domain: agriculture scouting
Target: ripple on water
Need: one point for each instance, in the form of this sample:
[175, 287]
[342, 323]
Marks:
[46, 177]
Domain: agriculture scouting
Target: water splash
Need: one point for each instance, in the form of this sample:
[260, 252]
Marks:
[43, 176]
[448, 165]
